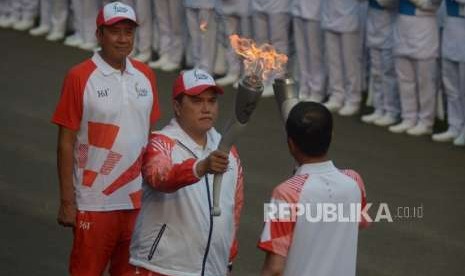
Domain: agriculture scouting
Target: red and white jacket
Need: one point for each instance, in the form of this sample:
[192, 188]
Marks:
[175, 233]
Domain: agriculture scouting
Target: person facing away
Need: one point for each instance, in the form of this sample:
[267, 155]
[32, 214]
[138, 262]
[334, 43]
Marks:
[176, 233]
[309, 242]
[104, 114]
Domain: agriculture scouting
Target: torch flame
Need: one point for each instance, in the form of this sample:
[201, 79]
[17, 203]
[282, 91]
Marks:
[262, 61]
[203, 25]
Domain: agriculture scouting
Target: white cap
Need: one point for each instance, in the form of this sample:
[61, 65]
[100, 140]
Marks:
[115, 12]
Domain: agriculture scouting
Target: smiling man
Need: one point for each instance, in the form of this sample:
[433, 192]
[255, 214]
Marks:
[107, 106]
[175, 233]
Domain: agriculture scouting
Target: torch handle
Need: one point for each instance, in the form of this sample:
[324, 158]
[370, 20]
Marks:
[233, 130]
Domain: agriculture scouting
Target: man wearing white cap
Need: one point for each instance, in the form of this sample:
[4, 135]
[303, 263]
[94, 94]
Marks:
[106, 108]
[178, 169]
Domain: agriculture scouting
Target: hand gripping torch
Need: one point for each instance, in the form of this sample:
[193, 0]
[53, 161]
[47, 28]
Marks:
[286, 96]
[248, 94]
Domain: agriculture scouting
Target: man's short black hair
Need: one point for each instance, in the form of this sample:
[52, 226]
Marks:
[310, 126]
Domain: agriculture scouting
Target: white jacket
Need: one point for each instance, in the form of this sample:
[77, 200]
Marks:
[175, 233]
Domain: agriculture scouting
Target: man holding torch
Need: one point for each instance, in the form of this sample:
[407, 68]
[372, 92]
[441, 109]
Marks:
[177, 206]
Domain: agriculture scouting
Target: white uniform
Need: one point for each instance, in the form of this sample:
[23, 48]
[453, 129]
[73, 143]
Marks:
[235, 19]
[169, 14]
[85, 13]
[24, 9]
[453, 63]
[341, 23]
[201, 23]
[380, 41]
[416, 50]
[271, 22]
[309, 47]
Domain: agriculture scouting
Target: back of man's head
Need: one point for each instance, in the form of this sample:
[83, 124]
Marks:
[310, 127]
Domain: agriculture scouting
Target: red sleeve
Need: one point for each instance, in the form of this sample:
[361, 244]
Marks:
[238, 204]
[355, 176]
[68, 112]
[278, 232]
[155, 113]
[158, 169]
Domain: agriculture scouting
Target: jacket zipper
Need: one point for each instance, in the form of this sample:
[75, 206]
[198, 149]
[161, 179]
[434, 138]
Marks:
[210, 232]
[156, 242]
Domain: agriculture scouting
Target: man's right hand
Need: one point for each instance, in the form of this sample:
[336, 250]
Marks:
[67, 214]
[216, 163]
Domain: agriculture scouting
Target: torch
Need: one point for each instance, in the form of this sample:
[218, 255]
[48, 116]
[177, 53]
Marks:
[248, 94]
[285, 95]
[260, 63]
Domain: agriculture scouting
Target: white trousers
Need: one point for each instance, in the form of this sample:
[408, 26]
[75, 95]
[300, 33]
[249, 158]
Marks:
[144, 33]
[308, 37]
[343, 58]
[272, 29]
[24, 9]
[453, 76]
[203, 42]
[169, 14]
[383, 82]
[45, 12]
[417, 88]
[59, 17]
[233, 24]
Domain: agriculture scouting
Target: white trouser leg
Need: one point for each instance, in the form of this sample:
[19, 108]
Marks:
[76, 7]
[155, 29]
[405, 71]
[193, 22]
[144, 31]
[60, 9]
[335, 66]
[426, 76]
[208, 40]
[163, 19]
[317, 69]
[45, 12]
[352, 67]
[260, 28]
[390, 89]
[279, 31]
[453, 79]
[90, 10]
[16, 9]
[301, 38]
[232, 26]
[376, 79]
[30, 9]
[176, 16]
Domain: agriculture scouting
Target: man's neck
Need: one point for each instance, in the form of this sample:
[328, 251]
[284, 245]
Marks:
[312, 160]
[199, 138]
[117, 64]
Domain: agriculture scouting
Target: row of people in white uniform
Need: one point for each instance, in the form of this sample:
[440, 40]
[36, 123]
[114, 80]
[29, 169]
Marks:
[331, 40]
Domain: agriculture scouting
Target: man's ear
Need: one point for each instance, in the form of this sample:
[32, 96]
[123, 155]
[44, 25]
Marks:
[291, 145]
[176, 108]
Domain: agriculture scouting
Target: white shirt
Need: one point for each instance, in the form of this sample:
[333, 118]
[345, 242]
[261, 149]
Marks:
[307, 9]
[112, 113]
[340, 15]
[271, 6]
[316, 248]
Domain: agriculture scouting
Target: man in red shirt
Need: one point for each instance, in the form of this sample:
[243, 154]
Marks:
[107, 106]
